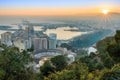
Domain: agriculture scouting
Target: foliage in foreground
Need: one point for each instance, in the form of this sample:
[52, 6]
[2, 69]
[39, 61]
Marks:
[102, 66]
[13, 65]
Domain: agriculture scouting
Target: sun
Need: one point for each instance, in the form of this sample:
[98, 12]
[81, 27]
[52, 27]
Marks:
[105, 11]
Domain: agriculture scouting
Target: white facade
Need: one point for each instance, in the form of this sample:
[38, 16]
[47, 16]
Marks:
[6, 38]
[71, 58]
[91, 49]
[20, 43]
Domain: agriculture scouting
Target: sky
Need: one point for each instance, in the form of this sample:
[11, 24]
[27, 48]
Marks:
[56, 7]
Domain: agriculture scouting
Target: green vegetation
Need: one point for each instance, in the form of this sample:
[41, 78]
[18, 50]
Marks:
[114, 48]
[75, 71]
[46, 69]
[111, 74]
[59, 62]
[14, 65]
[103, 65]
[56, 63]
[65, 45]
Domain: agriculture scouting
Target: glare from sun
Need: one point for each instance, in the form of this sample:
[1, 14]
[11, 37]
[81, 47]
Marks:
[105, 11]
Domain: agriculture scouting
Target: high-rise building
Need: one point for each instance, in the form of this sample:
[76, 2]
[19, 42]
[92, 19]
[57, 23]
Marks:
[20, 27]
[20, 43]
[40, 43]
[29, 43]
[28, 27]
[52, 41]
[53, 36]
[29, 30]
[52, 44]
[6, 38]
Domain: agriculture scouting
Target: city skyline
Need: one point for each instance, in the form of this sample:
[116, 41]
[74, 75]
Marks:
[56, 7]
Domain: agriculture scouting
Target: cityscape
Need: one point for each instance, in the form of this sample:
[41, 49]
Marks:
[44, 46]
[59, 40]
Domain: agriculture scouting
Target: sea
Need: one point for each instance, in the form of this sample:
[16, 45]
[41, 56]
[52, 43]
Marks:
[81, 31]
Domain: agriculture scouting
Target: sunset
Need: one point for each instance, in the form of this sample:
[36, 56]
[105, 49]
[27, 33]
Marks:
[56, 7]
[59, 39]
[105, 11]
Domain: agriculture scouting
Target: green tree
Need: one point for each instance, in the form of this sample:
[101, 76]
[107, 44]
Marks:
[80, 70]
[65, 45]
[46, 69]
[111, 74]
[60, 62]
[93, 62]
[117, 36]
[114, 51]
[14, 65]
[62, 75]
[75, 71]
[113, 48]
[104, 56]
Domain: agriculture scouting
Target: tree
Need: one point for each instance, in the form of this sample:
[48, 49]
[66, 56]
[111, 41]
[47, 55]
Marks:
[111, 74]
[80, 70]
[31, 49]
[46, 69]
[104, 56]
[114, 52]
[62, 75]
[59, 62]
[65, 45]
[117, 36]
[13, 65]
[113, 48]
[75, 71]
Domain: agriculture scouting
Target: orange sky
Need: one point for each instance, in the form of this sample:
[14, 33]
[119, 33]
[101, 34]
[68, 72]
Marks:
[47, 11]
[56, 7]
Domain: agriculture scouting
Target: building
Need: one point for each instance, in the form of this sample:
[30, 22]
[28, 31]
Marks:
[71, 58]
[53, 36]
[29, 43]
[20, 43]
[52, 41]
[29, 30]
[20, 27]
[91, 49]
[6, 38]
[27, 38]
[52, 44]
[28, 27]
[40, 43]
